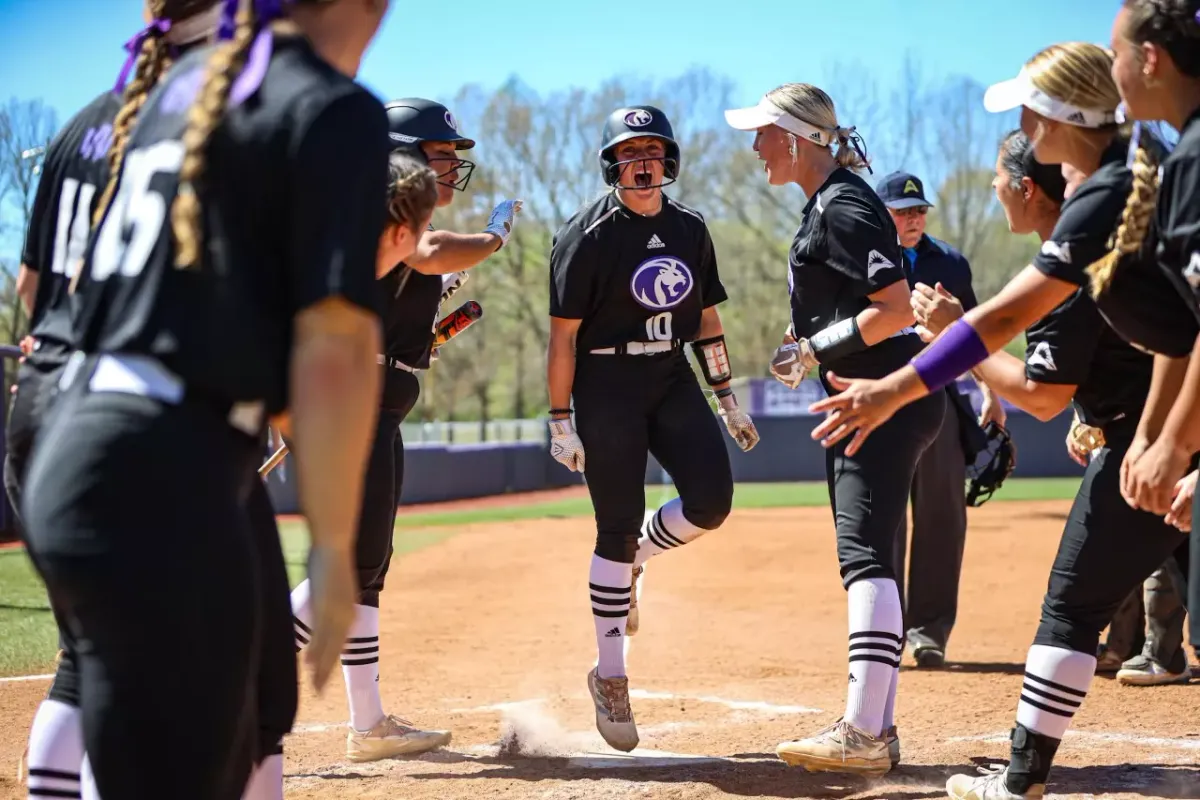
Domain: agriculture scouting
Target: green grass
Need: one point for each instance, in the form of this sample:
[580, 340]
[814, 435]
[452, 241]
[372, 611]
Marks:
[27, 635]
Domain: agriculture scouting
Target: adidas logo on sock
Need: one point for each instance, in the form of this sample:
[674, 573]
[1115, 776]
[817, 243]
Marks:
[654, 243]
[613, 634]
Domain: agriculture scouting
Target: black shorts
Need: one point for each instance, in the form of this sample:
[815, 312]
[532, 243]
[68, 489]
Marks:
[136, 520]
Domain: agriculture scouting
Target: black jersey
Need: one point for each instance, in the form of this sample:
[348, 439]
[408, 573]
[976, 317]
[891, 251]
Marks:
[1140, 303]
[410, 314]
[74, 174]
[293, 196]
[847, 248]
[632, 278]
[1074, 345]
[1178, 211]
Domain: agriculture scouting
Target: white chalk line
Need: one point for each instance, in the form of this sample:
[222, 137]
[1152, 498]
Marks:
[19, 678]
[1123, 738]
[644, 694]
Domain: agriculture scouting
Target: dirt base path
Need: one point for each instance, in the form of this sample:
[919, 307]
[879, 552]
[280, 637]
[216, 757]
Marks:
[742, 646]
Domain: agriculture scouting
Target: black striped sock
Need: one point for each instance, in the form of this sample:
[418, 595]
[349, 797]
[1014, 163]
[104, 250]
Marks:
[875, 645]
[665, 530]
[1056, 681]
[610, 584]
[45, 782]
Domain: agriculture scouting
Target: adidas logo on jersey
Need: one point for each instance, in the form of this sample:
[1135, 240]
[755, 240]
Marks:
[877, 261]
[654, 243]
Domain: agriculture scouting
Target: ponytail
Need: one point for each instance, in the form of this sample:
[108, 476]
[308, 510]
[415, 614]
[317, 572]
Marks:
[851, 152]
[1135, 220]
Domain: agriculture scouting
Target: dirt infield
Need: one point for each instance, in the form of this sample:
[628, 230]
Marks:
[742, 646]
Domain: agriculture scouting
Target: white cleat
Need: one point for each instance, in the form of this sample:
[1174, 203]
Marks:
[390, 738]
[990, 785]
[841, 747]
[614, 716]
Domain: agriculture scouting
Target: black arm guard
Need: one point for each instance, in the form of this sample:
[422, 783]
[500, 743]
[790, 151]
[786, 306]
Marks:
[837, 341]
[714, 359]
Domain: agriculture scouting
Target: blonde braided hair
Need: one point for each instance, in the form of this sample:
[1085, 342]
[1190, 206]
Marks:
[154, 59]
[1135, 221]
[412, 190]
[205, 114]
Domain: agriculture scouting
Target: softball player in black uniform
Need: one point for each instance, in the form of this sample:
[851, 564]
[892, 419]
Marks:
[191, 319]
[1069, 102]
[75, 173]
[412, 292]
[633, 275]
[850, 312]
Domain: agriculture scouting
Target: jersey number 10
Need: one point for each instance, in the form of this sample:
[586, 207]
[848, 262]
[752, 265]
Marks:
[658, 327]
[137, 212]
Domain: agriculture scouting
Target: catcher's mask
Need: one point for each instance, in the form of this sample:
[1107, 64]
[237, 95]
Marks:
[992, 465]
[414, 120]
[633, 122]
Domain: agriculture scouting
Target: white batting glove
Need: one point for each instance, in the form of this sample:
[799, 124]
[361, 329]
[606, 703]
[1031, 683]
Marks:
[565, 445]
[792, 361]
[737, 422]
[502, 220]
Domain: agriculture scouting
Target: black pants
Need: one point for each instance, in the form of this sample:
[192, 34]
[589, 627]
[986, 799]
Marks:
[628, 406]
[869, 490]
[136, 520]
[1107, 550]
[277, 675]
[381, 487]
[939, 512]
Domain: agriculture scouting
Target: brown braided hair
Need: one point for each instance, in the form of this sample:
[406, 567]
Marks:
[205, 114]
[154, 59]
[412, 190]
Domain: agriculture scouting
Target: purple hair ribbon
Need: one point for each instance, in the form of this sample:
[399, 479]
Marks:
[264, 11]
[134, 46]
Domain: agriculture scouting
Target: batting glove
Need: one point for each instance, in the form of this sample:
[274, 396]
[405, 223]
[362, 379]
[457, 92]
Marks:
[737, 422]
[502, 220]
[565, 445]
[792, 361]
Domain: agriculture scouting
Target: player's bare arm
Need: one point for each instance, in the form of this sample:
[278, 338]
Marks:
[27, 283]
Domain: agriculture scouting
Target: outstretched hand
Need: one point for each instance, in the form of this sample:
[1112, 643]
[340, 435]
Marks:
[934, 308]
[860, 407]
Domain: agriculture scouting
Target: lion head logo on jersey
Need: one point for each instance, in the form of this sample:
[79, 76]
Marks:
[661, 283]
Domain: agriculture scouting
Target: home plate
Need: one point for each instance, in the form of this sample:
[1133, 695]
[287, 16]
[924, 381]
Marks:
[639, 758]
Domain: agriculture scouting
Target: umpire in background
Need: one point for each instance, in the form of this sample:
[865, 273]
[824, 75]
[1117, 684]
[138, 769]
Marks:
[939, 505]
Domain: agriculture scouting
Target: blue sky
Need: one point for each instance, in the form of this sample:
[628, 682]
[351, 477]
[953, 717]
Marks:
[66, 51]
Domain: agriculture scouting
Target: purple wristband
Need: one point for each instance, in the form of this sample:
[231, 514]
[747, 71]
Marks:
[957, 351]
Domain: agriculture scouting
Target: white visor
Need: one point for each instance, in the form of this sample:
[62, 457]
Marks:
[1020, 91]
[767, 113]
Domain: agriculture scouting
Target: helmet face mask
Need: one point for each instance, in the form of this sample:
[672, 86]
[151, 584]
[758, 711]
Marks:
[635, 122]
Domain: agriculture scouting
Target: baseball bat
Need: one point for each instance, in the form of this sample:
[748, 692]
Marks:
[273, 462]
[457, 321]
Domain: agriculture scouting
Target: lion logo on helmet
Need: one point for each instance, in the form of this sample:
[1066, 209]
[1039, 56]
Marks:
[453, 123]
[639, 118]
[661, 283]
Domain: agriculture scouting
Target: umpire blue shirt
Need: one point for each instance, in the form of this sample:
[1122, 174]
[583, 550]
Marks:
[932, 262]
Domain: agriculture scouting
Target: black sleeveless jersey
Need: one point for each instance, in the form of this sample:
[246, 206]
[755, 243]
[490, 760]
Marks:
[74, 174]
[293, 189]
[409, 314]
[632, 278]
[1140, 303]
[846, 249]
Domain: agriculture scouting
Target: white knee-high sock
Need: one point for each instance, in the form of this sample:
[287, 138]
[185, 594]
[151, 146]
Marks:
[665, 530]
[875, 647]
[610, 584]
[360, 668]
[266, 782]
[302, 613]
[88, 781]
[889, 708]
[55, 759]
[1056, 681]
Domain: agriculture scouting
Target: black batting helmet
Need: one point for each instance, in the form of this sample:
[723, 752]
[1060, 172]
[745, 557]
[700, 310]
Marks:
[413, 120]
[630, 123]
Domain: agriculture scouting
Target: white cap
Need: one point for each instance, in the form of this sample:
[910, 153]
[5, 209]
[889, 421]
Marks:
[1020, 91]
[767, 113]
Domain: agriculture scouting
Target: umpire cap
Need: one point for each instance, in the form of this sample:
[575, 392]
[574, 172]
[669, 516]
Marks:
[902, 190]
[630, 123]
